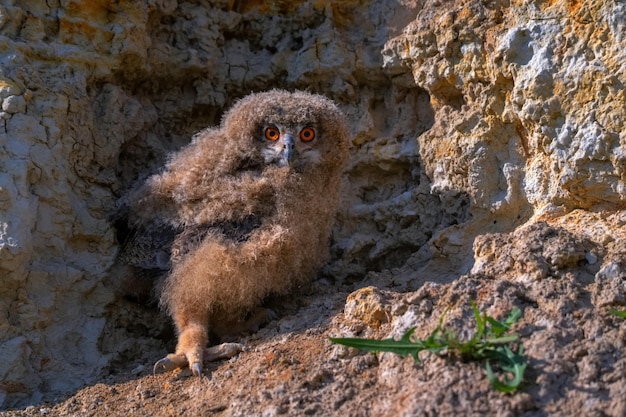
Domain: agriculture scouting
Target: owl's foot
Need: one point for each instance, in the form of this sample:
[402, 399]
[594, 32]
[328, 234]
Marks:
[214, 353]
[189, 350]
[176, 361]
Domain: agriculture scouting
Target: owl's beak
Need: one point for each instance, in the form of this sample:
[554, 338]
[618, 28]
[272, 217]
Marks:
[288, 151]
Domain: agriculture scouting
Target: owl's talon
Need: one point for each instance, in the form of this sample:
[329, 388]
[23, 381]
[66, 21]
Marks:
[163, 365]
[169, 363]
[196, 369]
[166, 365]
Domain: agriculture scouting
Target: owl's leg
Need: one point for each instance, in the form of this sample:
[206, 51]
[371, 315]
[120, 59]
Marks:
[192, 339]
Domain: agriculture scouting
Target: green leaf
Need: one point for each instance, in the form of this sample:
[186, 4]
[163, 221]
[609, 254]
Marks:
[618, 313]
[408, 334]
[402, 347]
[506, 386]
[503, 339]
[513, 317]
[510, 362]
[497, 328]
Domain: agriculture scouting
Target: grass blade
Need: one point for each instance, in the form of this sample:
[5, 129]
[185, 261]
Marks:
[513, 317]
[402, 347]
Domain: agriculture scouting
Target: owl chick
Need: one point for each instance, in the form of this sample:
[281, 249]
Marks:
[242, 212]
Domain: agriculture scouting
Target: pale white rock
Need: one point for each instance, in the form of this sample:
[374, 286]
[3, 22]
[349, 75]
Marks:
[14, 104]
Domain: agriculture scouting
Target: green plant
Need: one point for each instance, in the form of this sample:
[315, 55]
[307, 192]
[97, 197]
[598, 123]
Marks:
[618, 313]
[489, 343]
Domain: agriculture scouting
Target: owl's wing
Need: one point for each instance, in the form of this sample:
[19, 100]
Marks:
[191, 237]
[157, 245]
[151, 229]
[148, 246]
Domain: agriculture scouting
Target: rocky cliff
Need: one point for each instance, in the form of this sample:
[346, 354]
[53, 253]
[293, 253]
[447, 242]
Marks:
[488, 162]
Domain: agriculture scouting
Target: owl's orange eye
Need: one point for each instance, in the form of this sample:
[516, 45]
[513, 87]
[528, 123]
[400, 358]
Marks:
[271, 133]
[307, 134]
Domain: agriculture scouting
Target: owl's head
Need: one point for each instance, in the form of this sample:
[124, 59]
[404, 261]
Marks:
[297, 130]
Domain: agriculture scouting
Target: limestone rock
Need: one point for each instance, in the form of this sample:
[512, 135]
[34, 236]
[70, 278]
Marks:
[535, 251]
[369, 306]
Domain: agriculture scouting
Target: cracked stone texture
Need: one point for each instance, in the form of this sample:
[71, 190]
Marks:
[488, 163]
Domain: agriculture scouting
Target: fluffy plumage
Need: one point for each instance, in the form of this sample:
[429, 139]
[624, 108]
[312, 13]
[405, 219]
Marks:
[242, 212]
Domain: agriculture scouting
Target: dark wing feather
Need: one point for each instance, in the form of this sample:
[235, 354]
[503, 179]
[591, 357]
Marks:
[149, 246]
[191, 237]
[158, 245]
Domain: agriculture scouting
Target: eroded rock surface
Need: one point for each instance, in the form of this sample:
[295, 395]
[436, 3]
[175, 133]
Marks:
[488, 163]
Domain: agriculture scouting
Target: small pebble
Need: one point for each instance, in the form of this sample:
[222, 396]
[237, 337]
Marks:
[591, 258]
[138, 370]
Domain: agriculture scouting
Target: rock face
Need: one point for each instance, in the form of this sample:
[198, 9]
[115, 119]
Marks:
[488, 158]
